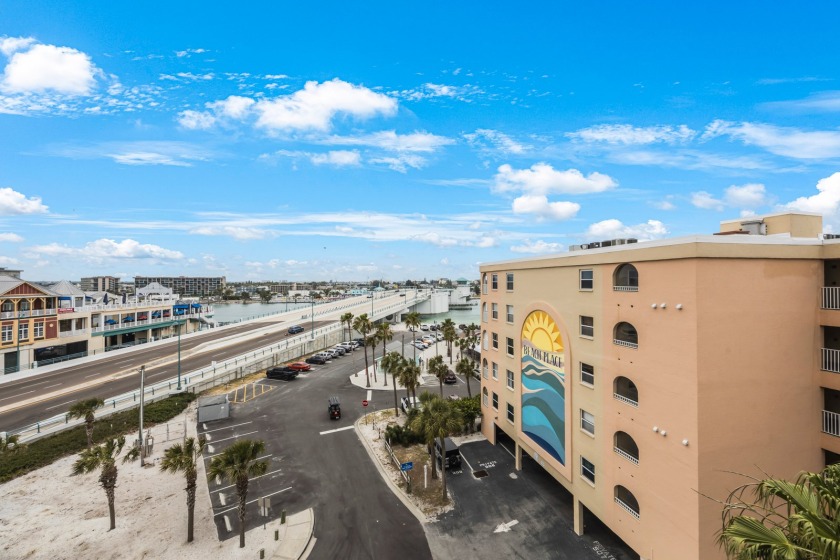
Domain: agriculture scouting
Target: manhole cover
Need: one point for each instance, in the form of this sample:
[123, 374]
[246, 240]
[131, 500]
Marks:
[480, 474]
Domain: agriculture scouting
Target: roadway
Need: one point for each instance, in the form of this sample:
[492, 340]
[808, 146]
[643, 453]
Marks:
[119, 372]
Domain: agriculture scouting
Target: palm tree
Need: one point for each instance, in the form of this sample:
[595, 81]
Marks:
[410, 378]
[85, 409]
[363, 326]
[393, 363]
[449, 335]
[383, 335]
[774, 519]
[412, 322]
[237, 464]
[347, 319]
[10, 444]
[439, 369]
[466, 368]
[185, 458]
[104, 457]
[439, 419]
[420, 423]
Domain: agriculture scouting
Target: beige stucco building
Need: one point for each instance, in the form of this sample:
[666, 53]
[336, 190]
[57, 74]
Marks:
[642, 375]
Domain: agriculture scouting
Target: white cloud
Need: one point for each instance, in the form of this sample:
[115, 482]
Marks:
[750, 195]
[49, 68]
[235, 106]
[784, 141]
[539, 206]
[189, 76]
[188, 52]
[634, 135]
[10, 237]
[435, 239]
[664, 205]
[14, 203]
[487, 139]
[706, 201]
[9, 45]
[196, 120]
[147, 158]
[537, 247]
[541, 178]
[103, 249]
[240, 233]
[401, 162]
[825, 202]
[8, 261]
[180, 154]
[822, 102]
[390, 140]
[430, 91]
[338, 158]
[316, 105]
[614, 229]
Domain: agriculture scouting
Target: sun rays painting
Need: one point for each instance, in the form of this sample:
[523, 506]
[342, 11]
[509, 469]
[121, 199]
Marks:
[544, 385]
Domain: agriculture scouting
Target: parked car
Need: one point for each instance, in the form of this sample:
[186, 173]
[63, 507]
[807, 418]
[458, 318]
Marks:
[295, 329]
[359, 341]
[281, 373]
[434, 327]
[330, 353]
[424, 327]
[419, 345]
[299, 366]
[451, 457]
[316, 359]
[348, 346]
[423, 342]
[450, 378]
[407, 404]
[339, 350]
[439, 336]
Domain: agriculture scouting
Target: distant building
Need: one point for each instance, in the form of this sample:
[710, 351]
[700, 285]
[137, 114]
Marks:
[200, 286]
[641, 376]
[100, 284]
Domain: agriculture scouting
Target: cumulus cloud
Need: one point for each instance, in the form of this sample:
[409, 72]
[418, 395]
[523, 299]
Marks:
[539, 206]
[196, 120]
[235, 106]
[706, 201]
[784, 141]
[745, 197]
[103, 249]
[825, 202]
[10, 237]
[493, 140]
[400, 162]
[390, 140]
[9, 45]
[14, 203]
[316, 105]
[633, 135]
[338, 158]
[40, 68]
[614, 229]
[542, 179]
[537, 247]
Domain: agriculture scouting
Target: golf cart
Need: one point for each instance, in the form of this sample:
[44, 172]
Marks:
[334, 408]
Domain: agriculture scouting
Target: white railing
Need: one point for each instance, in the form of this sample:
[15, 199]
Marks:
[831, 360]
[627, 400]
[77, 332]
[831, 298]
[625, 343]
[625, 288]
[627, 508]
[634, 460]
[831, 423]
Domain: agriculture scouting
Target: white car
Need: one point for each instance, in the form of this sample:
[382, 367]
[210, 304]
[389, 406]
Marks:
[439, 335]
[407, 404]
[424, 327]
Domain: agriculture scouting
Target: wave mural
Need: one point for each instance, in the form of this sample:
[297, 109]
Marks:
[543, 378]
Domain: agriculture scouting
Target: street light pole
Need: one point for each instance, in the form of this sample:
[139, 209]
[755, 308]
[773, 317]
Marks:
[179, 356]
[20, 316]
[312, 319]
[142, 394]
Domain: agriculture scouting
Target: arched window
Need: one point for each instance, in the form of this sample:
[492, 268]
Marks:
[484, 396]
[626, 279]
[625, 391]
[627, 501]
[484, 312]
[484, 368]
[626, 446]
[485, 341]
[484, 284]
[624, 334]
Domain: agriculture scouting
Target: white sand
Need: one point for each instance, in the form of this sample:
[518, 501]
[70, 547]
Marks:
[52, 515]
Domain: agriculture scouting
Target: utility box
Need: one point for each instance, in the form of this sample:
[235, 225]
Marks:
[213, 408]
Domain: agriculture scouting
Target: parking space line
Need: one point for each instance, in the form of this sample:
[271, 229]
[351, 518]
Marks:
[253, 501]
[225, 439]
[508, 450]
[467, 462]
[337, 430]
[222, 499]
[226, 427]
[251, 479]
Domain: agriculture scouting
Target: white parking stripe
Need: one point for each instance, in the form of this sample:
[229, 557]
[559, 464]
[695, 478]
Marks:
[206, 431]
[252, 501]
[337, 430]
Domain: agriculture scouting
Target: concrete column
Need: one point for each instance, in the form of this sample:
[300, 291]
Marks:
[578, 517]
[518, 457]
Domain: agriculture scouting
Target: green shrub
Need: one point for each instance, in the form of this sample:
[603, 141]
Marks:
[45, 451]
[399, 435]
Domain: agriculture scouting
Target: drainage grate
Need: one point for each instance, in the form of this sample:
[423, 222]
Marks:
[480, 474]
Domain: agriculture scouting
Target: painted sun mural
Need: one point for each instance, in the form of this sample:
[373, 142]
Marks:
[544, 385]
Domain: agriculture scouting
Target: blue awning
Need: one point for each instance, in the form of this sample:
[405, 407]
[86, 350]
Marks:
[196, 306]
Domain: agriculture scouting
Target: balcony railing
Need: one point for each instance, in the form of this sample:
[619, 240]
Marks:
[831, 360]
[831, 423]
[627, 508]
[831, 298]
[625, 343]
[628, 456]
[627, 400]
[625, 288]
[77, 332]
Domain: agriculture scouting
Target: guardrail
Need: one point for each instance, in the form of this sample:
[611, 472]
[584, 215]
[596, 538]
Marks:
[397, 462]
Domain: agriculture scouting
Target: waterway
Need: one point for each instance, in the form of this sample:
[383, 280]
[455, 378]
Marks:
[232, 312]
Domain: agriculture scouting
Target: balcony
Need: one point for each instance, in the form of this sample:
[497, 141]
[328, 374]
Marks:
[626, 279]
[830, 360]
[625, 391]
[831, 423]
[830, 298]
[627, 501]
[625, 446]
[624, 334]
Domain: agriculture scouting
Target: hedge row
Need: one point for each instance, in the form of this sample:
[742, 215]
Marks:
[47, 450]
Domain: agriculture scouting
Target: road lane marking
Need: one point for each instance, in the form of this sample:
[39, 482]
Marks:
[93, 375]
[225, 428]
[370, 395]
[18, 395]
[337, 430]
[211, 449]
[49, 386]
[56, 406]
[505, 527]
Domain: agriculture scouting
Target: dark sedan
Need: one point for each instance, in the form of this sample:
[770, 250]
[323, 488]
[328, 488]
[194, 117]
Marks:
[320, 360]
[281, 373]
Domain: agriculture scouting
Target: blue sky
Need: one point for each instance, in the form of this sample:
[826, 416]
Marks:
[354, 141]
